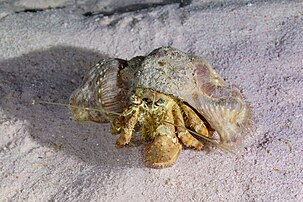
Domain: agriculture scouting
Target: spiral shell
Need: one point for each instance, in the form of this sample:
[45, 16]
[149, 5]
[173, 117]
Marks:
[102, 88]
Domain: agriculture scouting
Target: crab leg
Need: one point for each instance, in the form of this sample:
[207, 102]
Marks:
[182, 132]
[165, 147]
[195, 122]
[126, 132]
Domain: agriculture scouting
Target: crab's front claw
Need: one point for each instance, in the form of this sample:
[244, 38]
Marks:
[124, 126]
[163, 151]
[124, 139]
[116, 125]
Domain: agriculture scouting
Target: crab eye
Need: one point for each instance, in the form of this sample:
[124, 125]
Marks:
[161, 101]
[134, 99]
[145, 100]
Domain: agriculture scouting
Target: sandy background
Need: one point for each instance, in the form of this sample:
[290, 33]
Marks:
[46, 156]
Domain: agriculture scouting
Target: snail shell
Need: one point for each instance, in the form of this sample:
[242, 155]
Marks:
[193, 80]
[102, 88]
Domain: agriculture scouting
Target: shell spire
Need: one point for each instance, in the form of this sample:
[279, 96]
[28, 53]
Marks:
[102, 88]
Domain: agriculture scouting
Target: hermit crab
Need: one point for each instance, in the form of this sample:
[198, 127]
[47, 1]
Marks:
[172, 98]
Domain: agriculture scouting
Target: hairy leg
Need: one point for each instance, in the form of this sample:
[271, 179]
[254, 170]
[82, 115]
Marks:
[125, 126]
[183, 134]
[195, 122]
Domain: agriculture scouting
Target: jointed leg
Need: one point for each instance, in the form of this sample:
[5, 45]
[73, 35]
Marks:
[195, 122]
[117, 124]
[182, 132]
[126, 131]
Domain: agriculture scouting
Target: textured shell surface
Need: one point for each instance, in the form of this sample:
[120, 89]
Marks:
[166, 70]
[192, 80]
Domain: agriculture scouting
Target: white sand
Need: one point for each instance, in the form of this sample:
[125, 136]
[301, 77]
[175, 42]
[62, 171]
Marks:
[46, 156]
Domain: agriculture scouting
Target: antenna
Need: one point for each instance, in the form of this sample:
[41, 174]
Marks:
[75, 106]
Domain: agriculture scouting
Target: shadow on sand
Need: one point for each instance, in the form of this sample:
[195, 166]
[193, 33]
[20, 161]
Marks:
[52, 75]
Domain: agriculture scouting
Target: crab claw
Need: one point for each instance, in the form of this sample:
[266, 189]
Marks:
[162, 152]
